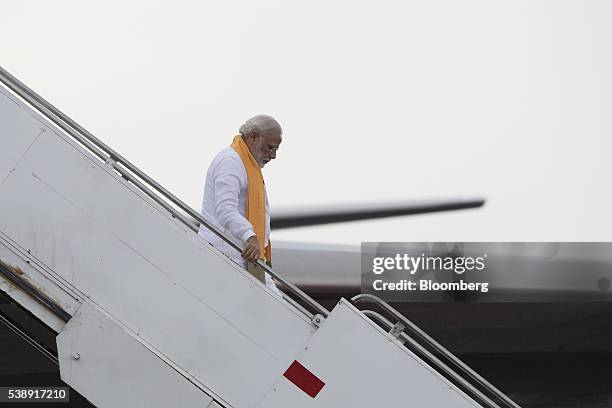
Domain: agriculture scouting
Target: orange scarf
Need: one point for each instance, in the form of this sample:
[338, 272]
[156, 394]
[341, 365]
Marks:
[256, 196]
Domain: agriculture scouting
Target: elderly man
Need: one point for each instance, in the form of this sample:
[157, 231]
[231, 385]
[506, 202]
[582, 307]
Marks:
[235, 197]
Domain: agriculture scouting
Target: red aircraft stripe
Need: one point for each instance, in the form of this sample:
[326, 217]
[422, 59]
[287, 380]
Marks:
[304, 379]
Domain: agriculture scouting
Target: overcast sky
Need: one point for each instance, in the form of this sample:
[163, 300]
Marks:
[507, 100]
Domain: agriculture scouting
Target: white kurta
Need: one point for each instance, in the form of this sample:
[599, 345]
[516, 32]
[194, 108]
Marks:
[224, 205]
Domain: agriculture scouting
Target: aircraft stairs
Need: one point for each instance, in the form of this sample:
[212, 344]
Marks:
[148, 314]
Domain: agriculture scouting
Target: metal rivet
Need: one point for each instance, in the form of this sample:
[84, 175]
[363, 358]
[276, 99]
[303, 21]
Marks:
[76, 356]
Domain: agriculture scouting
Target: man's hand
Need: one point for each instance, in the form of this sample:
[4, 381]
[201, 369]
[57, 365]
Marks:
[251, 249]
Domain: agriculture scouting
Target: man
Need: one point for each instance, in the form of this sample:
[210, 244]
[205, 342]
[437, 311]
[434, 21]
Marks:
[235, 197]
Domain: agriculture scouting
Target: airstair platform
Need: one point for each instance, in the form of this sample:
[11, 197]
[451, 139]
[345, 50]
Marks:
[148, 314]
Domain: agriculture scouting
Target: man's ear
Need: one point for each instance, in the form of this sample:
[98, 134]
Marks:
[254, 135]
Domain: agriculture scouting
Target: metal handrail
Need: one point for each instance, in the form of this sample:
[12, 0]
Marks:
[436, 346]
[121, 164]
[431, 357]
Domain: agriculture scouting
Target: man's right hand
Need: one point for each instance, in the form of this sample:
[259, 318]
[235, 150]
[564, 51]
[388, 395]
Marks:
[251, 249]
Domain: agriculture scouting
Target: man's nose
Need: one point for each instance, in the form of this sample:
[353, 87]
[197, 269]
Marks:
[273, 154]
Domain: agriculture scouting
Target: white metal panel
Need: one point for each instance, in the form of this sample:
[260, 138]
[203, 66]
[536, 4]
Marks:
[199, 310]
[362, 366]
[103, 360]
[18, 129]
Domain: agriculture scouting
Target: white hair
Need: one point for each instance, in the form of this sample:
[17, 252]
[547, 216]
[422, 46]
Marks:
[259, 124]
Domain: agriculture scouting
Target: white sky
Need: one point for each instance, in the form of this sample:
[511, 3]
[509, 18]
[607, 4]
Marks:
[508, 100]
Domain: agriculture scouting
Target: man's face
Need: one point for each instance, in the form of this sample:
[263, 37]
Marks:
[265, 146]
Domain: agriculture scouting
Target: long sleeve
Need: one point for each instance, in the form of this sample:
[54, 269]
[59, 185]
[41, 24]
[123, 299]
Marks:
[227, 186]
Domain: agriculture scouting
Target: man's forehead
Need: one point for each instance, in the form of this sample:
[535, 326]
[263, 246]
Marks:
[273, 137]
